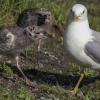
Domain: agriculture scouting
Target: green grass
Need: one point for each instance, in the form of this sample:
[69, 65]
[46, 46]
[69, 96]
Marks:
[60, 67]
[18, 94]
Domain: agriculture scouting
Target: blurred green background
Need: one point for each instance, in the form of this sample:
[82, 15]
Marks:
[9, 12]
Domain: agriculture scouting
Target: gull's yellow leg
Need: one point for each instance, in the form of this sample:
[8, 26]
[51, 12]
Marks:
[77, 85]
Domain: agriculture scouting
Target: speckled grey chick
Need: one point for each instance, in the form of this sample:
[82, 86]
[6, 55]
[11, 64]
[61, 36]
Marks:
[14, 40]
[36, 16]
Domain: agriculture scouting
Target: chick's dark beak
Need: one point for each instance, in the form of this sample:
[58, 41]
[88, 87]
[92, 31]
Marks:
[47, 35]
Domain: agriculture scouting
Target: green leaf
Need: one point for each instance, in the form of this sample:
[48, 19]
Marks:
[21, 95]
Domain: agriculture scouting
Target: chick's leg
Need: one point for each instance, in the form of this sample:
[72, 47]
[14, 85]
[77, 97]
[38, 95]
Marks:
[28, 82]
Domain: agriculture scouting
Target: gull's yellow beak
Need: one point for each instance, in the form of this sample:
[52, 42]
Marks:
[75, 18]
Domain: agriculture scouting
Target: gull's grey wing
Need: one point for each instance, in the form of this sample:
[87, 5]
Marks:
[92, 48]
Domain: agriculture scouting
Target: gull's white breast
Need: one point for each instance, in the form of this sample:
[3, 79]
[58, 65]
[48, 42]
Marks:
[76, 36]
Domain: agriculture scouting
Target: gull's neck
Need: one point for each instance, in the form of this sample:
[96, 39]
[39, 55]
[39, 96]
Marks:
[77, 32]
[79, 24]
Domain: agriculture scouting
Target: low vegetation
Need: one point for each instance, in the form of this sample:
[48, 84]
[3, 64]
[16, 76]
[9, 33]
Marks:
[56, 75]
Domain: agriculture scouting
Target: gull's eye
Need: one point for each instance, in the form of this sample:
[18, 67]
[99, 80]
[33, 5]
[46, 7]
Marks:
[83, 12]
[71, 10]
